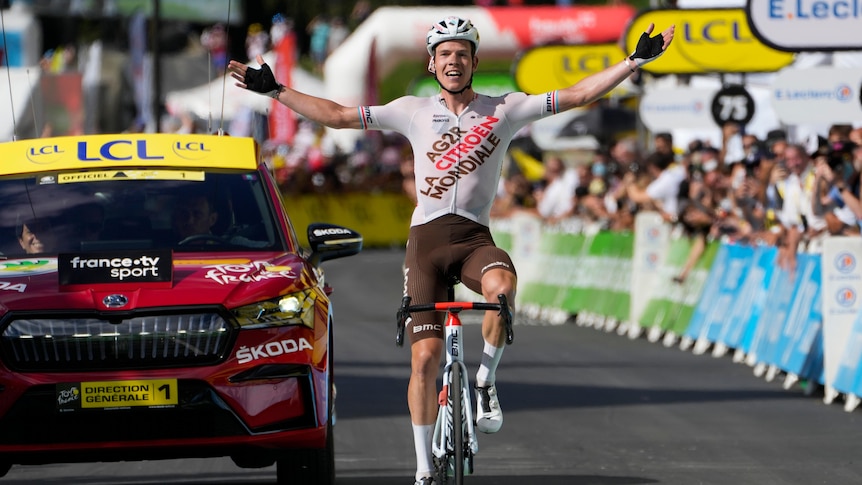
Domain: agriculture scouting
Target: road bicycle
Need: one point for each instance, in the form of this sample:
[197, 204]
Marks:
[454, 443]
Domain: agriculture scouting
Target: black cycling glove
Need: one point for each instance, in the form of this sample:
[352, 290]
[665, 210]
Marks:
[648, 49]
[262, 81]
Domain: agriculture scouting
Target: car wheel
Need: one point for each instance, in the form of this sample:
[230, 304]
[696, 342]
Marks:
[299, 467]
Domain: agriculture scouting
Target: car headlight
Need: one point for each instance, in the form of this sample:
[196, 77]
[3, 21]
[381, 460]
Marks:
[291, 309]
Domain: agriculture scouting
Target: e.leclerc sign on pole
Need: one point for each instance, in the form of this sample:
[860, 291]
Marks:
[806, 25]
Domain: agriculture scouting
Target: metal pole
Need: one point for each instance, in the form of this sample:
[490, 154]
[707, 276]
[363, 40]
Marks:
[157, 69]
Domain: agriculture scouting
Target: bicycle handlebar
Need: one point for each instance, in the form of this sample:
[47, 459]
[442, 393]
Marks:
[454, 307]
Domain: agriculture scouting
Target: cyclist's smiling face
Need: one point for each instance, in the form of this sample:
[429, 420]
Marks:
[454, 63]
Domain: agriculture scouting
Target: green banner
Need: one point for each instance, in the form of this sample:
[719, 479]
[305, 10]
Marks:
[590, 273]
[490, 83]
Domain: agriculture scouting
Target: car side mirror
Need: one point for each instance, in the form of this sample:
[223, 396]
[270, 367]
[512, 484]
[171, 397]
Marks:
[331, 241]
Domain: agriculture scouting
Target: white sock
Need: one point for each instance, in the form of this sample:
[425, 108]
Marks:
[422, 434]
[487, 373]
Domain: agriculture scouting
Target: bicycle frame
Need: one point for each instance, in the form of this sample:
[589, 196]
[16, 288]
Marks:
[443, 445]
[454, 445]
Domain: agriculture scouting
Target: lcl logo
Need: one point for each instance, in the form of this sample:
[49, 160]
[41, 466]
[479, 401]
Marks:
[45, 154]
[190, 150]
[115, 150]
[714, 32]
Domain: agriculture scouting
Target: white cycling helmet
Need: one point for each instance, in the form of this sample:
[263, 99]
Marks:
[452, 28]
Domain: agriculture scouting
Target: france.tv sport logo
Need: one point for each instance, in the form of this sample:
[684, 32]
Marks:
[121, 268]
[115, 267]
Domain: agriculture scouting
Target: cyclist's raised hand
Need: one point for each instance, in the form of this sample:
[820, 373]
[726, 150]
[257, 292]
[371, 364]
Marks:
[258, 80]
[650, 48]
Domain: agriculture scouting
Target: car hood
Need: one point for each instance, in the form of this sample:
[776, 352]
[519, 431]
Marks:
[188, 279]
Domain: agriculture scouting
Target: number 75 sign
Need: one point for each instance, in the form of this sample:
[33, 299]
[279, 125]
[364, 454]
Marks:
[732, 103]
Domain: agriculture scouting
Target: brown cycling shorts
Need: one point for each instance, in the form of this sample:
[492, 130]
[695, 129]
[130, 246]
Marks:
[449, 246]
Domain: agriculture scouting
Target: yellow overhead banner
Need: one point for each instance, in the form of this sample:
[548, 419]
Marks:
[710, 40]
[550, 67]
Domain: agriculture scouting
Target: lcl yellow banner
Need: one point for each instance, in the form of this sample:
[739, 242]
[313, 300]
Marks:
[546, 68]
[127, 150]
[714, 40]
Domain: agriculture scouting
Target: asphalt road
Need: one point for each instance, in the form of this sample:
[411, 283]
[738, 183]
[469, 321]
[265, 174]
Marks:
[581, 407]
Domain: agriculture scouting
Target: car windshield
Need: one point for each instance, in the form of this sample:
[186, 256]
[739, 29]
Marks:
[181, 210]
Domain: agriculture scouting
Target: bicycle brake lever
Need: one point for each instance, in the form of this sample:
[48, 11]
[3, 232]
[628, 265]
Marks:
[402, 319]
[506, 313]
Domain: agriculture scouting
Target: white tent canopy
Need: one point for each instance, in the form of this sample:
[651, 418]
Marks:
[16, 88]
[222, 99]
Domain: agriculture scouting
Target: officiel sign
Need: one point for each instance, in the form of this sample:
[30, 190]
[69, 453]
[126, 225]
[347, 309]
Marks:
[706, 41]
[671, 108]
[818, 95]
[546, 68]
[806, 25]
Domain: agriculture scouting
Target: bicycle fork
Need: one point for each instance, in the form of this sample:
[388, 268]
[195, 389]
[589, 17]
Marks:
[446, 427]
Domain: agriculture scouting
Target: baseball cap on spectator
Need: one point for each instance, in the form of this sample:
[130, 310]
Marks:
[775, 135]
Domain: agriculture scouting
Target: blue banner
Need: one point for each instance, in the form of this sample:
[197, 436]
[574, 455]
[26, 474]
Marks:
[763, 272]
[740, 314]
[705, 308]
[767, 339]
[741, 288]
[803, 326]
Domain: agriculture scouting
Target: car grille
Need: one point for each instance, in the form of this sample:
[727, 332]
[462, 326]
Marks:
[90, 343]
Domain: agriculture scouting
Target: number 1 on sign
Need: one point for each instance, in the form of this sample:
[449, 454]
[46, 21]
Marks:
[167, 390]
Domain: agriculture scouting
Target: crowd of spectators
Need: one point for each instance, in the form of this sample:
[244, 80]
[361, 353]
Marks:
[775, 191]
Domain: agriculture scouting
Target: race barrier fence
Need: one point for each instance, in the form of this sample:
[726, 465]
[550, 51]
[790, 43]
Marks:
[804, 324]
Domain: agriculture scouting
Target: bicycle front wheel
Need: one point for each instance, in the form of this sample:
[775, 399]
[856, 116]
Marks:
[456, 395]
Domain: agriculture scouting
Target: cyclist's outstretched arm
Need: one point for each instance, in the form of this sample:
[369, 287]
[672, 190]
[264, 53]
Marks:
[593, 87]
[323, 111]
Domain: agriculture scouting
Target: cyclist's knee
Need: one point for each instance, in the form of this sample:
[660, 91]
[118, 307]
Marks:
[425, 358]
[496, 282]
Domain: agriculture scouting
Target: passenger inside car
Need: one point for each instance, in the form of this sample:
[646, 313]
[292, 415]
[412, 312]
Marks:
[34, 236]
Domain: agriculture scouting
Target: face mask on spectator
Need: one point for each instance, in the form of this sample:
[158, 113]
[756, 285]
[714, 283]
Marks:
[599, 169]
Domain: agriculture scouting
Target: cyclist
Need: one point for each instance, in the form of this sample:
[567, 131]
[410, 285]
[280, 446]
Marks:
[459, 139]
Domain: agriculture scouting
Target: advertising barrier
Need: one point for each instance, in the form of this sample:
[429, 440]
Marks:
[802, 325]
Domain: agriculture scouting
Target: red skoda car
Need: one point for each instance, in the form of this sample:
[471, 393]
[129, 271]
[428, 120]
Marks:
[155, 303]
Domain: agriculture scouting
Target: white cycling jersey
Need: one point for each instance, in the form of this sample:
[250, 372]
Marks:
[458, 159]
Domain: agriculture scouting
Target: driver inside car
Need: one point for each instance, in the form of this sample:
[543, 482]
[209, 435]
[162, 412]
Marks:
[194, 215]
[193, 221]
